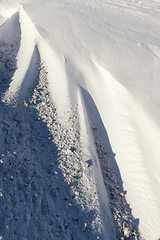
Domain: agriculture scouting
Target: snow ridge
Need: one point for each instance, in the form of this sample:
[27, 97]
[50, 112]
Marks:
[51, 182]
[43, 177]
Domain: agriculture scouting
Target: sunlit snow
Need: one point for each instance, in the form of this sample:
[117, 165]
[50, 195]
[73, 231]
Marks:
[79, 119]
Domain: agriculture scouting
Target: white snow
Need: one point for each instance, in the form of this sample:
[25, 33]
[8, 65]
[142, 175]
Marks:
[80, 114]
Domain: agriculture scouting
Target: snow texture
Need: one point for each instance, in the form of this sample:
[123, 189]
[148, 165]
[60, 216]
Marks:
[79, 120]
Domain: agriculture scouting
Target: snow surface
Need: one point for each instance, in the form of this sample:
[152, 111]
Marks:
[80, 119]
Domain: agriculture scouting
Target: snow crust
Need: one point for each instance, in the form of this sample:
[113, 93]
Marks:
[100, 62]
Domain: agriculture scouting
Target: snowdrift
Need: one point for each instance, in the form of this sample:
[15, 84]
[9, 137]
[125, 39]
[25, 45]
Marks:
[98, 63]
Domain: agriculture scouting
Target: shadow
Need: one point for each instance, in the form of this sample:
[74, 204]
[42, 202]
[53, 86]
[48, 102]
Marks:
[8, 62]
[110, 172]
[32, 73]
[10, 30]
[30, 80]
[36, 202]
[96, 120]
[10, 35]
[137, 221]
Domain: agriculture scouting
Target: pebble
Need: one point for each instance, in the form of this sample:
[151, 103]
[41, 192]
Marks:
[121, 194]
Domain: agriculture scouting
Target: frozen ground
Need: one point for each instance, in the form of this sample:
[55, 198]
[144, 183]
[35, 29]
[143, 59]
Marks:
[79, 119]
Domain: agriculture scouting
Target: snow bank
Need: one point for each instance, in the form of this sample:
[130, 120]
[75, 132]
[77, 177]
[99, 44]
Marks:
[111, 50]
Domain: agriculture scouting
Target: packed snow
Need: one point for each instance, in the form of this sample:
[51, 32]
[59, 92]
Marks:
[79, 119]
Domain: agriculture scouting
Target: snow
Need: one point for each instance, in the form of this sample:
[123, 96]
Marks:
[79, 119]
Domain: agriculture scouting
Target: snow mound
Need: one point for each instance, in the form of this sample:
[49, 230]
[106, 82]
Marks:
[80, 120]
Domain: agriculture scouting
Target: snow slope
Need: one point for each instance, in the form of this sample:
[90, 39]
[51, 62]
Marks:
[101, 60]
